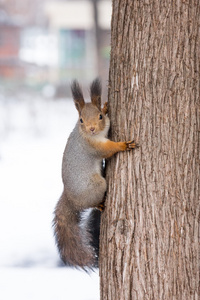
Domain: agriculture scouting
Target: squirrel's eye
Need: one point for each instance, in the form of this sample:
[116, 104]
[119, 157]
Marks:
[100, 117]
[81, 120]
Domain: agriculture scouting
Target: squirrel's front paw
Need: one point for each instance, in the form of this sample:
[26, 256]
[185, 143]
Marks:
[131, 145]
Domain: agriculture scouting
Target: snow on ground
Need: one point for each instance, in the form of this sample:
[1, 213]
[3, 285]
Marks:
[47, 284]
[33, 133]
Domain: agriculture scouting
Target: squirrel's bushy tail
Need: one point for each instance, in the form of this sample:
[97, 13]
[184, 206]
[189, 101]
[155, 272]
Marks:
[73, 242]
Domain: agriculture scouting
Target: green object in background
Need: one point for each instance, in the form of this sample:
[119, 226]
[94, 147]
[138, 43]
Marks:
[105, 52]
[72, 48]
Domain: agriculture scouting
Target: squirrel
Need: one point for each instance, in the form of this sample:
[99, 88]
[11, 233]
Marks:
[84, 185]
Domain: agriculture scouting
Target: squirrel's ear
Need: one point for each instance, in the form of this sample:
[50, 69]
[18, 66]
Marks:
[77, 95]
[95, 93]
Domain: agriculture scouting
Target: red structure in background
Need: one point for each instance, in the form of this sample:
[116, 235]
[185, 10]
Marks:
[10, 65]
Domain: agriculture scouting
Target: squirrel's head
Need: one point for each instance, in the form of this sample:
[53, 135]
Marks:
[92, 119]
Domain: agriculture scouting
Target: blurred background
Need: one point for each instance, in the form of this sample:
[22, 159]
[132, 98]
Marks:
[43, 46]
[45, 43]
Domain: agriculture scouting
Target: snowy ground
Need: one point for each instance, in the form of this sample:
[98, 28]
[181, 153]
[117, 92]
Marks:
[33, 133]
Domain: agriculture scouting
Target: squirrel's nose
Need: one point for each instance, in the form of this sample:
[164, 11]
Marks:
[92, 129]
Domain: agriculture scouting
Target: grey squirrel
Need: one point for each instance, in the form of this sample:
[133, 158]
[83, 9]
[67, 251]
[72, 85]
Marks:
[84, 185]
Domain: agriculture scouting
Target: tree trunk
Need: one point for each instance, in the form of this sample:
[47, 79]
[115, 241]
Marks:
[149, 231]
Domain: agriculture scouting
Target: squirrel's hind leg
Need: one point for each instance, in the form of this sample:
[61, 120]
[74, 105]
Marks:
[95, 192]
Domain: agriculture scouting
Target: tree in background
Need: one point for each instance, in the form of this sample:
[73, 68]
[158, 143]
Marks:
[149, 230]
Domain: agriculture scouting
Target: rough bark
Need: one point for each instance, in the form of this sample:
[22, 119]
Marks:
[149, 231]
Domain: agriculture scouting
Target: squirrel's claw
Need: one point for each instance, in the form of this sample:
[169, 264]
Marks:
[131, 145]
[101, 206]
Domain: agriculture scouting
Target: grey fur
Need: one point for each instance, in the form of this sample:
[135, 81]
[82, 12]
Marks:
[84, 187]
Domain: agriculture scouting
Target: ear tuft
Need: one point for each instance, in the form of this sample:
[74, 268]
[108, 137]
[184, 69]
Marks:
[95, 93]
[77, 95]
